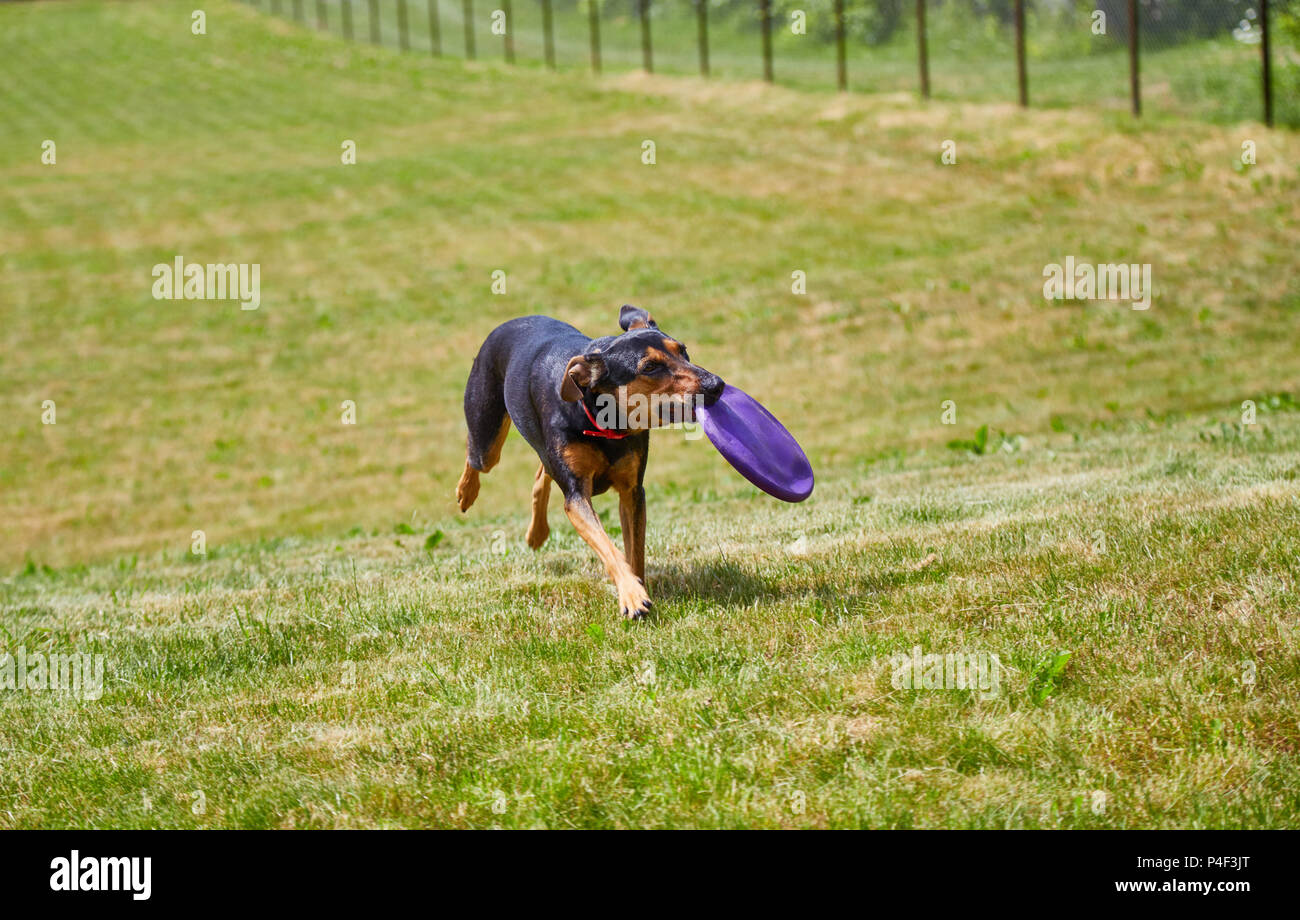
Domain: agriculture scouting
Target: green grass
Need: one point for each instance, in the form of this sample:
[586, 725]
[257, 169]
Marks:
[324, 665]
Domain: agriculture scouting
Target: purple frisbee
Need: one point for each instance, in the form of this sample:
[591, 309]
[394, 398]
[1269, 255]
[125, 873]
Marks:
[757, 445]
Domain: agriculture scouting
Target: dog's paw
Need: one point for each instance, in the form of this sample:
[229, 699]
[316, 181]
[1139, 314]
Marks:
[633, 600]
[536, 536]
[467, 488]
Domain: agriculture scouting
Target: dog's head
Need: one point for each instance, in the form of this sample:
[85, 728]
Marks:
[641, 363]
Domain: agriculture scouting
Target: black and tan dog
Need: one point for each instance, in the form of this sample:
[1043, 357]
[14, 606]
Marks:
[551, 381]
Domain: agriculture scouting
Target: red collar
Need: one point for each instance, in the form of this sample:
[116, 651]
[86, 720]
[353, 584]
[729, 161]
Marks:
[601, 432]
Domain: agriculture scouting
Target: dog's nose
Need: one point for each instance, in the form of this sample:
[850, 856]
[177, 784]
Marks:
[711, 385]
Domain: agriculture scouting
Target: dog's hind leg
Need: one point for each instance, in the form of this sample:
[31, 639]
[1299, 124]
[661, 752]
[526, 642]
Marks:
[467, 488]
[538, 528]
[480, 461]
[485, 414]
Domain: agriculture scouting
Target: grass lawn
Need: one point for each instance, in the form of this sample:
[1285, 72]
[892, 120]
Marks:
[351, 651]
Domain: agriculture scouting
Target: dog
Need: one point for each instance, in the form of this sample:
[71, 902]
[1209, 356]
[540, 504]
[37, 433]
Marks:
[551, 381]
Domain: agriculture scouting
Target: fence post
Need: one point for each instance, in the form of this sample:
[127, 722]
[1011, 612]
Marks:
[702, 18]
[275, 7]
[593, 16]
[469, 29]
[841, 62]
[1022, 74]
[548, 34]
[322, 18]
[1268, 63]
[923, 55]
[297, 10]
[435, 29]
[507, 39]
[1134, 80]
[765, 17]
[403, 38]
[921, 52]
[347, 19]
[647, 52]
[374, 22]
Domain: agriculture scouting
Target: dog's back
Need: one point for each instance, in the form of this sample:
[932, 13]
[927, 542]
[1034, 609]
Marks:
[518, 354]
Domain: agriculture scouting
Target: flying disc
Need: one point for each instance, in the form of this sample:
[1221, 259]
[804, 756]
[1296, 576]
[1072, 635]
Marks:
[757, 445]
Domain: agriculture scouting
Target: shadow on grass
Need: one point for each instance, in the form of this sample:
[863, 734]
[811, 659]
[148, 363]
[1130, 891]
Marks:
[720, 582]
[730, 584]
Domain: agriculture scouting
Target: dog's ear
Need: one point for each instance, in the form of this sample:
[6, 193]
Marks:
[580, 373]
[631, 317]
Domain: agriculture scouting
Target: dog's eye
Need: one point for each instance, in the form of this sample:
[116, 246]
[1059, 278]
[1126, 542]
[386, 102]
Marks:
[652, 367]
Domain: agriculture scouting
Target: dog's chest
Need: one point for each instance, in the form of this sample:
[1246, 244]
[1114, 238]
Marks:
[590, 462]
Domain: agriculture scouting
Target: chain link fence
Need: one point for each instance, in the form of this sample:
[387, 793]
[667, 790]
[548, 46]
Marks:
[1190, 58]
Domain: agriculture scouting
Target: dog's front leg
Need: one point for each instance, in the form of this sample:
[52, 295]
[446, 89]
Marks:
[633, 600]
[631, 514]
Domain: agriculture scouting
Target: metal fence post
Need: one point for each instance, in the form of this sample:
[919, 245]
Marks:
[841, 62]
[374, 22]
[593, 16]
[469, 29]
[322, 17]
[548, 34]
[921, 51]
[1022, 74]
[435, 29]
[702, 20]
[403, 38]
[647, 52]
[765, 17]
[347, 19]
[1134, 80]
[1268, 63]
[297, 10]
